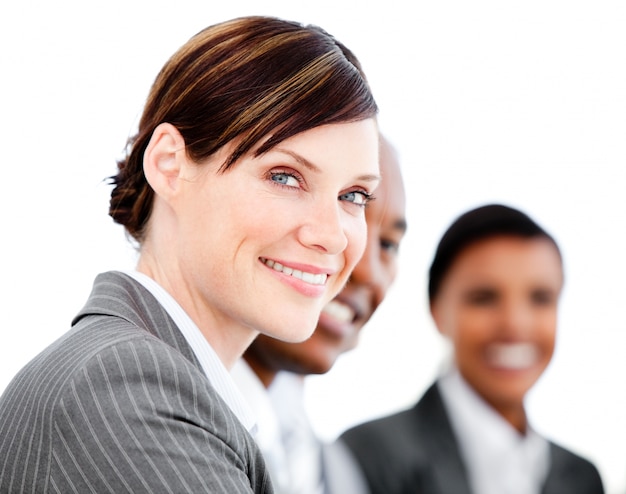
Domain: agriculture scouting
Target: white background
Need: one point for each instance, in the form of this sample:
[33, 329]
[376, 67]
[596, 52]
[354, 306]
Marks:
[517, 102]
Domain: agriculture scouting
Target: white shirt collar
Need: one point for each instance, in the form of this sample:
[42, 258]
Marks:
[211, 364]
[499, 458]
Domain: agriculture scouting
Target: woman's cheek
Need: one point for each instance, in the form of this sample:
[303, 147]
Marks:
[357, 240]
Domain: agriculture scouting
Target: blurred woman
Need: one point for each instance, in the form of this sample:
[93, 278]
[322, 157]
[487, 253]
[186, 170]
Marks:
[494, 288]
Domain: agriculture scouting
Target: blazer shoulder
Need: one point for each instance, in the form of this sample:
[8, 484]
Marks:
[133, 406]
[407, 429]
[572, 473]
[411, 451]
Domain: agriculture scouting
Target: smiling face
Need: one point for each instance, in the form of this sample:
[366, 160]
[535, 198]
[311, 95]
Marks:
[266, 244]
[498, 305]
[342, 319]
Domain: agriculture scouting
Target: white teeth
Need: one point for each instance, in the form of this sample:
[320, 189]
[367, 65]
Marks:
[513, 356]
[320, 279]
[308, 277]
[339, 311]
[313, 279]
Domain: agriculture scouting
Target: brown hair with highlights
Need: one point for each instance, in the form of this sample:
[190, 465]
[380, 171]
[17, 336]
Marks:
[248, 78]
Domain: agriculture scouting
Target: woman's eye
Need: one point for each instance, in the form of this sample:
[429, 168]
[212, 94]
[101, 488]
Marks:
[542, 297]
[357, 197]
[284, 178]
[481, 297]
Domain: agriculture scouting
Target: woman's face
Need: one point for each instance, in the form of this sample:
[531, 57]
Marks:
[266, 244]
[498, 306]
[342, 319]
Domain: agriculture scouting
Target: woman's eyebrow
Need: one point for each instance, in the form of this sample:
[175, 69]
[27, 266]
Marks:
[300, 159]
[313, 167]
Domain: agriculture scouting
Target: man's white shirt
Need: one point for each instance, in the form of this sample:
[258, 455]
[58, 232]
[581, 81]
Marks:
[292, 451]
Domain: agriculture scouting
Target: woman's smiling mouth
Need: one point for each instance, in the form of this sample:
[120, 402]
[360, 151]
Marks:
[312, 278]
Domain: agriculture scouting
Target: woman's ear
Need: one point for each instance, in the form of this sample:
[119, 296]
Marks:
[162, 159]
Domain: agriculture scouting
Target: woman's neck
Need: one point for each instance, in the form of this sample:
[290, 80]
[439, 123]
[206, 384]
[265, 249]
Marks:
[227, 338]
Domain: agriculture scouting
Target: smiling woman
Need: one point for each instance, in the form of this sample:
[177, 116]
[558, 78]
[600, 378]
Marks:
[296, 240]
[245, 189]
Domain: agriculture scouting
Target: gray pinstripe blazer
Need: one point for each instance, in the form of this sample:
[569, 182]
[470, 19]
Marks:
[120, 404]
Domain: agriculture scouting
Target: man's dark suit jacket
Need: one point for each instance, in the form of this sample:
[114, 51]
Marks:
[416, 452]
[120, 404]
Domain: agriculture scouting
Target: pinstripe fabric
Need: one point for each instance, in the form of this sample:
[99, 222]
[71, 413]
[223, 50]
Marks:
[120, 404]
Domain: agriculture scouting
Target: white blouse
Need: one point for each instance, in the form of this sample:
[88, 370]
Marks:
[498, 458]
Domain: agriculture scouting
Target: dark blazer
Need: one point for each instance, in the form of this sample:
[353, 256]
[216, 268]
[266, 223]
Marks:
[121, 404]
[416, 452]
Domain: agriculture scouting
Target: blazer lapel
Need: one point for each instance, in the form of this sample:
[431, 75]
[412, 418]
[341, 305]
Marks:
[571, 473]
[117, 294]
[449, 474]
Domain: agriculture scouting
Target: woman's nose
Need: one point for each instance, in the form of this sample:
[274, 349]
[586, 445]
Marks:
[324, 229]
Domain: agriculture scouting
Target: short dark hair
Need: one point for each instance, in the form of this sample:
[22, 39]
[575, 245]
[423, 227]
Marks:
[478, 224]
[247, 78]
